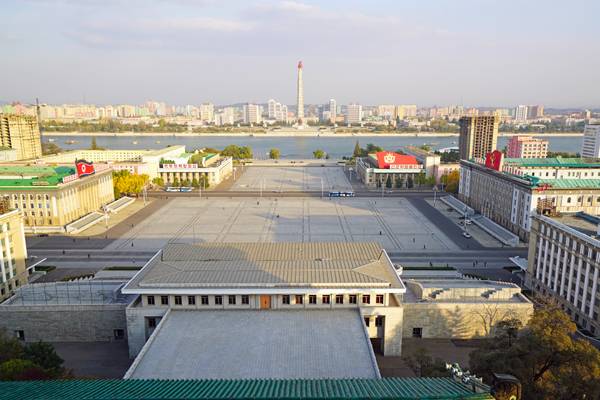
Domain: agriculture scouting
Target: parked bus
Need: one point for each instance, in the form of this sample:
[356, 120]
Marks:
[172, 189]
[185, 189]
[341, 194]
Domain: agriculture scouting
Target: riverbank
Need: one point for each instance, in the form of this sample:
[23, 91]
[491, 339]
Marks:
[300, 134]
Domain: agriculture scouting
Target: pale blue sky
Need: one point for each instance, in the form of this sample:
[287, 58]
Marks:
[474, 52]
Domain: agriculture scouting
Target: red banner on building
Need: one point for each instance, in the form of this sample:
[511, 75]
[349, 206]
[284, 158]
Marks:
[493, 160]
[84, 168]
[390, 160]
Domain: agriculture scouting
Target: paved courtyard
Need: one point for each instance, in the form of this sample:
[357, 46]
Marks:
[393, 222]
[292, 179]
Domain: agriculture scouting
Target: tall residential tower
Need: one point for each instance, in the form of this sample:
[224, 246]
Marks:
[300, 93]
[478, 136]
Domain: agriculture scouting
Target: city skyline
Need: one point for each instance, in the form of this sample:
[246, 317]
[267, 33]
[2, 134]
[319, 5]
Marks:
[189, 52]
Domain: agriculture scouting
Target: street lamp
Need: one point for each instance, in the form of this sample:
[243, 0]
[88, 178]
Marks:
[434, 195]
[321, 187]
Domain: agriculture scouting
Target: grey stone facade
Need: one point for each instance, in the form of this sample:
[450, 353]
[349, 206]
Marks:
[65, 323]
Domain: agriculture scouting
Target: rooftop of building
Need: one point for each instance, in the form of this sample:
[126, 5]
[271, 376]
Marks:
[12, 176]
[80, 292]
[570, 183]
[419, 151]
[580, 224]
[307, 389]
[257, 344]
[37, 176]
[560, 162]
[462, 290]
[268, 265]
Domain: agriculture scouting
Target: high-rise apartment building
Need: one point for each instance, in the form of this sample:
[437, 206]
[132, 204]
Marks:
[332, 110]
[478, 136]
[300, 95]
[405, 111]
[353, 113]
[534, 112]
[21, 133]
[591, 141]
[527, 147]
[277, 111]
[13, 253]
[387, 111]
[521, 113]
[252, 114]
[207, 112]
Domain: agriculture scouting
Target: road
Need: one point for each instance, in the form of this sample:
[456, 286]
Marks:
[270, 193]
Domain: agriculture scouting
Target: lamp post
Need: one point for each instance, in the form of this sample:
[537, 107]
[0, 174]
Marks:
[321, 187]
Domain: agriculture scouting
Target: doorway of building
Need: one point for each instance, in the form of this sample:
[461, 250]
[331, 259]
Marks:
[265, 302]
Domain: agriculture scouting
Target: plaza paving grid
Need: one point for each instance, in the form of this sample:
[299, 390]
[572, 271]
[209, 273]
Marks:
[257, 344]
[394, 223]
[292, 179]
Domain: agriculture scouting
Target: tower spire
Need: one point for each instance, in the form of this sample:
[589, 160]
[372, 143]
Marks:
[300, 95]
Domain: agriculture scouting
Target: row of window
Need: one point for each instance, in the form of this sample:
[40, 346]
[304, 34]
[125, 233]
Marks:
[285, 299]
[31, 197]
[191, 300]
[326, 299]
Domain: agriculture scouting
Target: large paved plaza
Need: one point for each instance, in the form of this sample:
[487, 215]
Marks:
[292, 179]
[393, 222]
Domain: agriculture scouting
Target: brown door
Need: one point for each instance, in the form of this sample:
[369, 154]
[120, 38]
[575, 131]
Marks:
[265, 302]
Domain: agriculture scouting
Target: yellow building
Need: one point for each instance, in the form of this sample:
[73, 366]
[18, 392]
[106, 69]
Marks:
[13, 272]
[21, 133]
[53, 198]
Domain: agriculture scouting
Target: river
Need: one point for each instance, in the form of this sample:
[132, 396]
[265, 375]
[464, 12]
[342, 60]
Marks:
[290, 147]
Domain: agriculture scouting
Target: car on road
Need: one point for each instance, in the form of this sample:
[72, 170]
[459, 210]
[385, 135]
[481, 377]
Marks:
[467, 235]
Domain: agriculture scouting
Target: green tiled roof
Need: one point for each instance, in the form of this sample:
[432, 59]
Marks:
[388, 388]
[555, 162]
[571, 183]
[12, 177]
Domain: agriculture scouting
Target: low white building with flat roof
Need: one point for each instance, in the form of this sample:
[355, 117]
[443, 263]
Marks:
[284, 277]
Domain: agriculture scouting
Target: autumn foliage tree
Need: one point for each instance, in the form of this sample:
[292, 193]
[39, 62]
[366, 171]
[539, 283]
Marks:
[126, 183]
[450, 181]
[545, 356]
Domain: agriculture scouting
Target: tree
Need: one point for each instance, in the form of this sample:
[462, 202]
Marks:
[450, 181]
[158, 181]
[420, 178]
[125, 183]
[176, 182]
[274, 154]
[388, 182]
[94, 145]
[50, 148]
[44, 355]
[423, 365]
[399, 182]
[371, 148]
[410, 182]
[237, 152]
[10, 347]
[357, 150]
[508, 328]
[195, 183]
[21, 370]
[185, 182]
[545, 356]
[318, 154]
